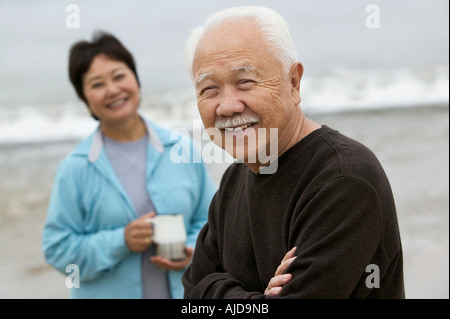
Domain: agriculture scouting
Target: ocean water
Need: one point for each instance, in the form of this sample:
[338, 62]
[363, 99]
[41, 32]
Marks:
[348, 66]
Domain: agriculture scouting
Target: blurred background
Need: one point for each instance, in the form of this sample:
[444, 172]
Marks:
[384, 82]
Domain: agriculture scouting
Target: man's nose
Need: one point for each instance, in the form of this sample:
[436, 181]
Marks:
[230, 104]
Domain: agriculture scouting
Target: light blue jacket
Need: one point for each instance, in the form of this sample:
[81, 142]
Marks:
[89, 209]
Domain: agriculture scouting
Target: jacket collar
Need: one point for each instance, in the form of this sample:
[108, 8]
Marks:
[92, 148]
[154, 139]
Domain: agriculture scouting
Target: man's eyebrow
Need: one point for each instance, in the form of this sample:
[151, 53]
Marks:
[243, 68]
[201, 77]
[240, 68]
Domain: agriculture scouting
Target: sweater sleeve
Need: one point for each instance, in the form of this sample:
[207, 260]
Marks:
[337, 235]
[206, 278]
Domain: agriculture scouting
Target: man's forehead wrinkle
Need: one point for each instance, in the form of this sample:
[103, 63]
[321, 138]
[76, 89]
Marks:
[211, 56]
[240, 61]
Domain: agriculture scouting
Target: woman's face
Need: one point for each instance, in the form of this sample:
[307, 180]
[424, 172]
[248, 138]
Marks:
[111, 90]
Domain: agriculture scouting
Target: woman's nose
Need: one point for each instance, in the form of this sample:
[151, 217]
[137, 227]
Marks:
[112, 89]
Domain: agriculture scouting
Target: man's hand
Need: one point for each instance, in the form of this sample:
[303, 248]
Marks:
[168, 264]
[138, 233]
[279, 279]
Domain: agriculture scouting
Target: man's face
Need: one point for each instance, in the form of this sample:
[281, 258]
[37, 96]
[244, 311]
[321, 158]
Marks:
[242, 88]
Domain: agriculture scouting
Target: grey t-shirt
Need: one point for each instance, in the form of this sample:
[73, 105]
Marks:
[129, 162]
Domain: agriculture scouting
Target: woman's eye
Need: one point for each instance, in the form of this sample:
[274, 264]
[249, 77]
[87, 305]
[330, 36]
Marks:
[119, 76]
[97, 85]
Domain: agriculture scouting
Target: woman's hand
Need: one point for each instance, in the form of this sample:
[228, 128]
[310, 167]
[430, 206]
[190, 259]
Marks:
[168, 264]
[138, 233]
[279, 279]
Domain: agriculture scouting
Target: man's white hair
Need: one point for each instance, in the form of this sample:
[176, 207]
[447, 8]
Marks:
[273, 26]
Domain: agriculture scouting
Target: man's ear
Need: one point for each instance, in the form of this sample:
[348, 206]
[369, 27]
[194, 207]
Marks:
[295, 76]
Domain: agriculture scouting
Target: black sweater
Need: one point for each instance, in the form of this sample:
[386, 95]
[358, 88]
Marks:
[331, 199]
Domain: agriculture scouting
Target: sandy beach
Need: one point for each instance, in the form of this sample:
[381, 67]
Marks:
[411, 143]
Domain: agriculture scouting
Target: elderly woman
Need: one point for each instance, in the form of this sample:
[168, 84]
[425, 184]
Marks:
[116, 179]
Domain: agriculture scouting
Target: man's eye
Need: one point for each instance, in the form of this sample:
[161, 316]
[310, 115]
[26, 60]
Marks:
[208, 90]
[246, 83]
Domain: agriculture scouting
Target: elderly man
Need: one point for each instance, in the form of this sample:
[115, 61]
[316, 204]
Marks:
[323, 223]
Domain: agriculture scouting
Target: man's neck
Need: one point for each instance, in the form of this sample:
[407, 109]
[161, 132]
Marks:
[304, 127]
